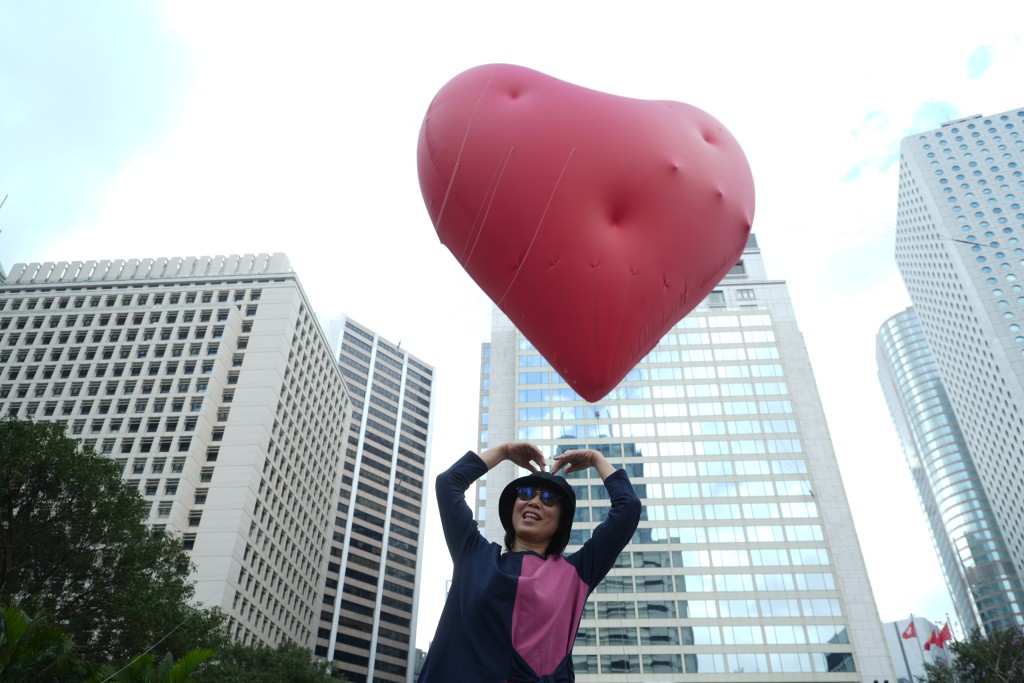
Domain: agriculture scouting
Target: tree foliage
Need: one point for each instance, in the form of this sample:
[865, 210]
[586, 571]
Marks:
[73, 545]
[144, 669]
[34, 649]
[996, 658]
[238, 663]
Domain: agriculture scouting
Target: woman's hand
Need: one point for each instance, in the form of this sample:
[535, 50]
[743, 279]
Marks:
[579, 460]
[522, 453]
[526, 455]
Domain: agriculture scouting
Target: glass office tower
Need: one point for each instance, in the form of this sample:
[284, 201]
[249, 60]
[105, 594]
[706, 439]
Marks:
[985, 587]
[746, 565]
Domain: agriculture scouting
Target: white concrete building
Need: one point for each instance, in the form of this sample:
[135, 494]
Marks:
[907, 648]
[209, 380]
[746, 565]
[960, 251]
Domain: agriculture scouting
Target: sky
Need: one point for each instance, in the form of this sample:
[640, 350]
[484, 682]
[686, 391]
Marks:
[131, 130]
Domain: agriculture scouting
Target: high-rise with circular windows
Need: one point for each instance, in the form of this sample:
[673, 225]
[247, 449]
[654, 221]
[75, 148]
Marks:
[986, 590]
[960, 251]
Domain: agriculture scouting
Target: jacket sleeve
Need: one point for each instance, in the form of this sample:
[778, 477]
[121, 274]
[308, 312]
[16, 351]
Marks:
[598, 555]
[461, 532]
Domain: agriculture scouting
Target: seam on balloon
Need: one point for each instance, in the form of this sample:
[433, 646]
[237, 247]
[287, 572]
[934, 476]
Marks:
[490, 201]
[539, 223]
[458, 159]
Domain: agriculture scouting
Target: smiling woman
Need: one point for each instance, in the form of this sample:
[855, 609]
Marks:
[512, 616]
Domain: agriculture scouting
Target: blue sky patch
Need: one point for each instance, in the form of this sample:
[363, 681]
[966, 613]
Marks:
[979, 62]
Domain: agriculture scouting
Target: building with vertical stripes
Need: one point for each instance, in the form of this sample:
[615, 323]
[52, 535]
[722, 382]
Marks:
[368, 612]
[960, 252]
[746, 565]
[987, 591]
[212, 385]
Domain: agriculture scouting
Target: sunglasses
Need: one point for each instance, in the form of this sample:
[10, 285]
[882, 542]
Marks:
[549, 498]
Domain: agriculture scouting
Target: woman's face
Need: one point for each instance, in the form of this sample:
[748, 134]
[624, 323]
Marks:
[534, 522]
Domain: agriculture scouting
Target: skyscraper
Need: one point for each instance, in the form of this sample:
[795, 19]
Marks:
[209, 381]
[746, 565]
[959, 251]
[368, 618]
[986, 590]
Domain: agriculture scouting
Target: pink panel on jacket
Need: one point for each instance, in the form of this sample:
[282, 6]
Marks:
[549, 602]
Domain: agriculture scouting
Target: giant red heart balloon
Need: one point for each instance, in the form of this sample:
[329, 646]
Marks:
[595, 222]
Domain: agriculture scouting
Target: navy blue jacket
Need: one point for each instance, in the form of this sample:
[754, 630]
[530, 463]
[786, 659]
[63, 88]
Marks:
[513, 616]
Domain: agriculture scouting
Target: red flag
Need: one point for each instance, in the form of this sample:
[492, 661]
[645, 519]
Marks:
[933, 639]
[910, 631]
[944, 635]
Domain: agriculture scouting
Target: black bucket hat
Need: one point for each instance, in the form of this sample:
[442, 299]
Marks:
[567, 504]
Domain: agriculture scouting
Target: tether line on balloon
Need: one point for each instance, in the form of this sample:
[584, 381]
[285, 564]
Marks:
[462, 147]
[500, 172]
[536, 232]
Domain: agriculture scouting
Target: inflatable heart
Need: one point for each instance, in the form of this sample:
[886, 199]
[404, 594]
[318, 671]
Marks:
[595, 222]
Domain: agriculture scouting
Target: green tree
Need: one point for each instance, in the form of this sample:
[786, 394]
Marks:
[237, 663]
[997, 658]
[73, 545]
[143, 669]
[34, 649]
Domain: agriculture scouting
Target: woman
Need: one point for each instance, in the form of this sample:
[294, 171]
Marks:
[513, 616]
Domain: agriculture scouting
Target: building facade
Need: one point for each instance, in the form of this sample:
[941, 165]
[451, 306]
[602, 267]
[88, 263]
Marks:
[368, 617]
[960, 253]
[907, 648]
[210, 382]
[746, 565]
[986, 590]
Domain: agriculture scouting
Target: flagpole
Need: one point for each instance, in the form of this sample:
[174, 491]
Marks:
[945, 654]
[920, 648]
[900, 638]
